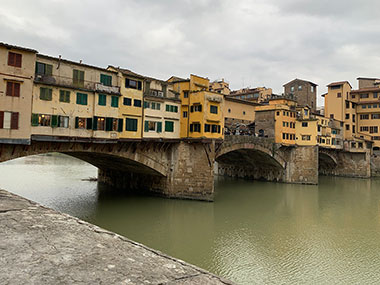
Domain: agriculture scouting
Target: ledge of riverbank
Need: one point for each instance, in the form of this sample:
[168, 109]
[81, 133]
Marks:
[41, 246]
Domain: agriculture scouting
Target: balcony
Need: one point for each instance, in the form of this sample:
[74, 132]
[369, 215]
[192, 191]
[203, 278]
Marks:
[69, 82]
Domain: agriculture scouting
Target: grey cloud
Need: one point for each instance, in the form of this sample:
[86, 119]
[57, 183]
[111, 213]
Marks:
[260, 42]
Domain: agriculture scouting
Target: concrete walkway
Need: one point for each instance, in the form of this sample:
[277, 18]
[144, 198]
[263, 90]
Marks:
[41, 246]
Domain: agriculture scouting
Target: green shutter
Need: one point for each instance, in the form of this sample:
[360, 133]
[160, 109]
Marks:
[102, 100]
[120, 125]
[169, 126]
[115, 101]
[109, 122]
[89, 124]
[76, 122]
[146, 104]
[106, 79]
[95, 123]
[49, 69]
[167, 108]
[50, 94]
[54, 121]
[146, 126]
[34, 119]
[159, 127]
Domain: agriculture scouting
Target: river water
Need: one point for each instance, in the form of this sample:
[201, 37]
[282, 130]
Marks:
[254, 232]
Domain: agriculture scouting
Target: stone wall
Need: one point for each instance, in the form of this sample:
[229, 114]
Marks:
[302, 166]
[375, 165]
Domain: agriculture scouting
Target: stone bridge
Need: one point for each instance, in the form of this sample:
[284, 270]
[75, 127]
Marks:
[185, 168]
[261, 158]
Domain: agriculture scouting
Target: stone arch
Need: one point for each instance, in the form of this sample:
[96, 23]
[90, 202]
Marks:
[101, 156]
[326, 161]
[275, 158]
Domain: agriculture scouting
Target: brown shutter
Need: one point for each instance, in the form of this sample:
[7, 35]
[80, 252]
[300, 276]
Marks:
[18, 60]
[1, 119]
[16, 89]
[9, 88]
[11, 58]
[14, 121]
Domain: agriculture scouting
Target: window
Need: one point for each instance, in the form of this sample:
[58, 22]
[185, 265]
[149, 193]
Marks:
[106, 79]
[184, 114]
[9, 120]
[63, 121]
[374, 105]
[195, 127]
[304, 124]
[171, 108]
[243, 112]
[64, 96]
[81, 99]
[339, 95]
[229, 110]
[292, 89]
[347, 105]
[46, 93]
[283, 136]
[127, 101]
[375, 116]
[331, 116]
[364, 96]
[353, 145]
[353, 96]
[102, 100]
[278, 113]
[312, 89]
[134, 84]
[152, 105]
[185, 94]
[335, 87]
[207, 128]
[347, 127]
[306, 137]
[146, 104]
[14, 59]
[373, 130]
[137, 103]
[44, 69]
[151, 126]
[115, 101]
[364, 106]
[196, 108]
[283, 124]
[213, 109]
[299, 87]
[99, 124]
[364, 117]
[83, 123]
[215, 129]
[306, 112]
[353, 118]
[78, 78]
[347, 116]
[169, 126]
[369, 106]
[131, 125]
[353, 129]
[375, 95]
[364, 129]
[13, 89]
[43, 120]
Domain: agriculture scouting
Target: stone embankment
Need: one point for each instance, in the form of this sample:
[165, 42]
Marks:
[41, 246]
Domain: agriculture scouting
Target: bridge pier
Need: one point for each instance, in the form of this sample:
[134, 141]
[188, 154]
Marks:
[302, 165]
[189, 174]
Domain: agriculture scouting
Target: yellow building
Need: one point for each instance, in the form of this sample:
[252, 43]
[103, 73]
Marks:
[306, 127]
[277, 120]
[201, 110]
[131, 102]
[220, 86]
[74, 99]
[17, 66]
[238, 114]
[162, 108]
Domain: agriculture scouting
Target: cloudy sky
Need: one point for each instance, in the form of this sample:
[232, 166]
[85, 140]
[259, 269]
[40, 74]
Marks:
[247, 42]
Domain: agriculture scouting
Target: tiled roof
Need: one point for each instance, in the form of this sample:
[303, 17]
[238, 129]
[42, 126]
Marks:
[17, 47]
[338, 83]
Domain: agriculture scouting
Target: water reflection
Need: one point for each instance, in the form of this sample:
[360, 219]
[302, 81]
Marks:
[253, 233]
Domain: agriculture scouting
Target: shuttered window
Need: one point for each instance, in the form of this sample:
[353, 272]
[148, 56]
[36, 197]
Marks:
[46, 93]
[131, 125]
[44, 69]
[137, 103]
[134, 84]
[14, 59]
[169, 126]
[1, 119]
[213, 109]
[127, 101]
[9, 120]
[115, 101]
[64, 96]
[13, 89]
[102, 100]
[106, 79]
[78, 78]
[81, 99]
[171, 108]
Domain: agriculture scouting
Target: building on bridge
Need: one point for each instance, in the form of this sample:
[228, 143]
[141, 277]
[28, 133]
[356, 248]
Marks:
[256, 95]
[303, 91]
[16, 76]
[201, 110]
[220, 86]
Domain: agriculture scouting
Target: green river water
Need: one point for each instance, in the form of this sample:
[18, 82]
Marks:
[254, 233]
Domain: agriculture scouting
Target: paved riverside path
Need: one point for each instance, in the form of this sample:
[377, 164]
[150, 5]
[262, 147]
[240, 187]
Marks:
[41, 246]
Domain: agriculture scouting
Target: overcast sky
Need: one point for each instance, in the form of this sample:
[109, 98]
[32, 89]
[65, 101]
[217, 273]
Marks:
[250, 43]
